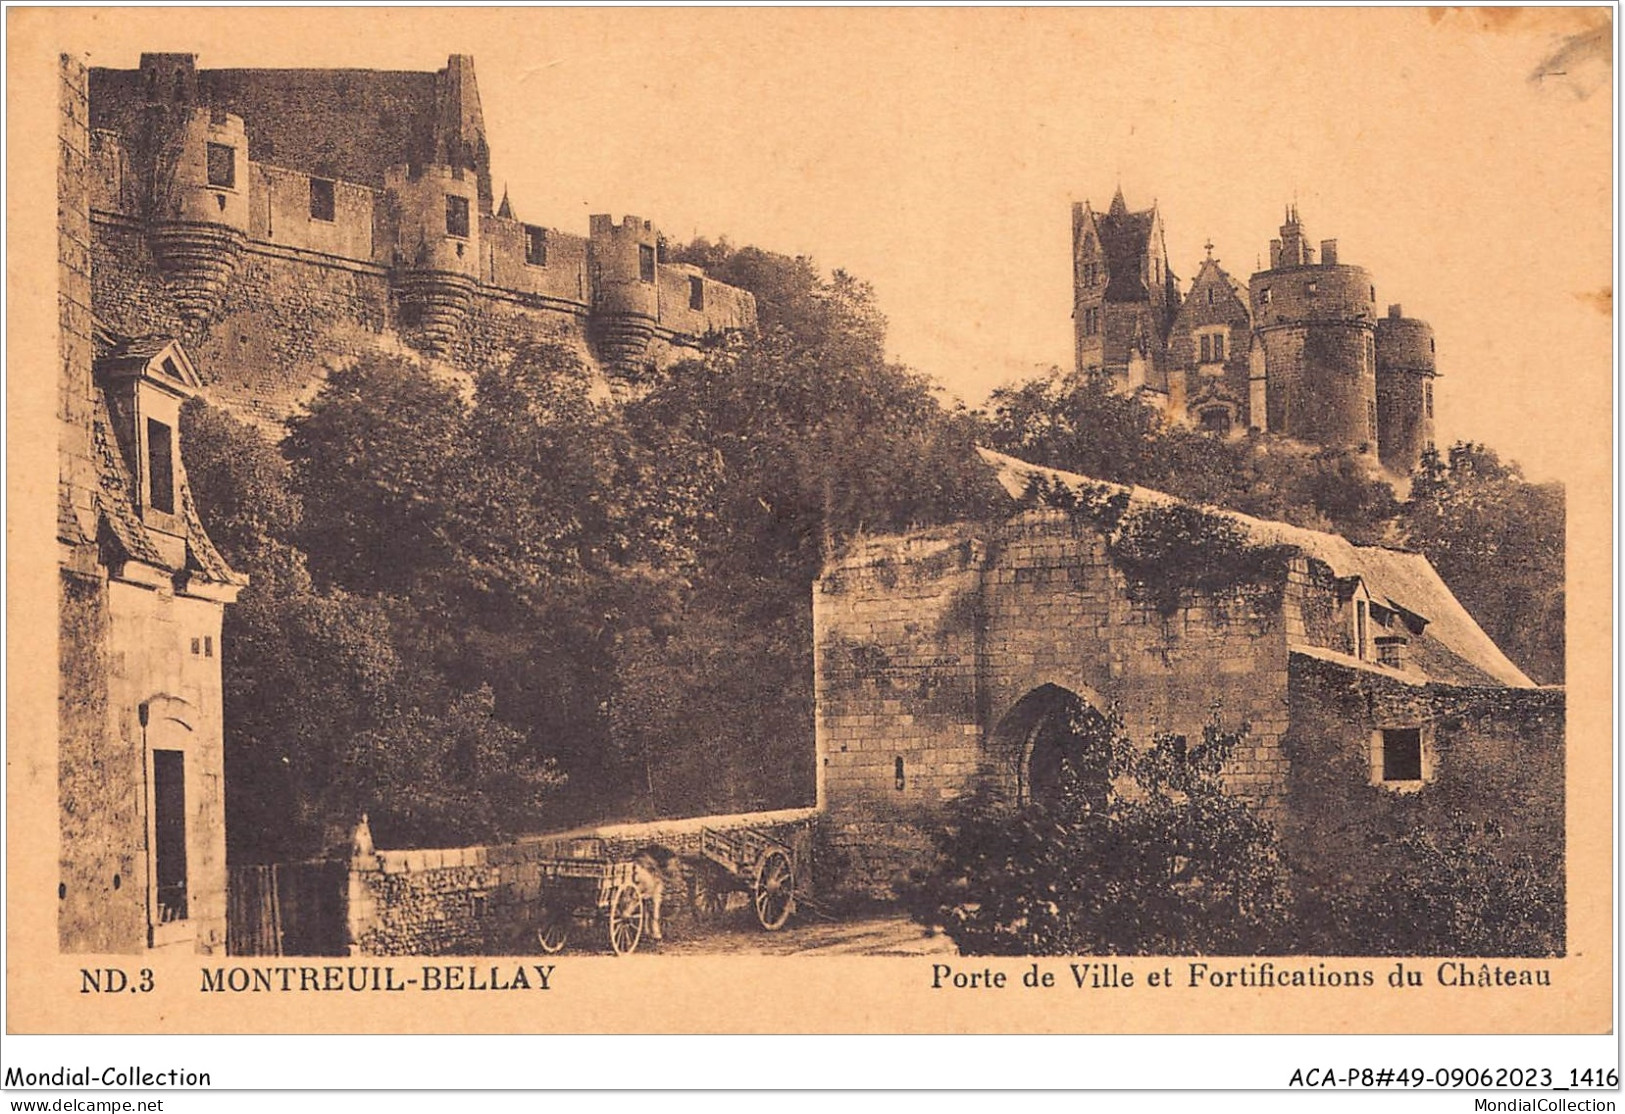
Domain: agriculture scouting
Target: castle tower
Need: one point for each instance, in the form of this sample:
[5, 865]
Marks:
[1316, 322]
[1405, 372]
[435, 212]
[192, 167]
[1122, 289]
[626, 290]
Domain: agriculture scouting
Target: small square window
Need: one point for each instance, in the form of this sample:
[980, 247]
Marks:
[646, 262]
[456, 216]
[222, 166]
[535, 246]
[321, 199]
[696, 292]
[1264, 296]
[1312, 288]
[1402, 754]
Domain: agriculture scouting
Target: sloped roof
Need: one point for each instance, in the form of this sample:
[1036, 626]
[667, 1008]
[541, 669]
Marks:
[1124, 240]
[1462, 653]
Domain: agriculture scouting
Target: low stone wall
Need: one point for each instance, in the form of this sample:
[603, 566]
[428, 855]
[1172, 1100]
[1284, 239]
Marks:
[484, 900]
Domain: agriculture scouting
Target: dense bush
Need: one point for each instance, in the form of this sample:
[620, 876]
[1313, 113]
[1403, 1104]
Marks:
[1157, 859]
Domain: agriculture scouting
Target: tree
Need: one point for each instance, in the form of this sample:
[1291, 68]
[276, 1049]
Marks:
[1158, 859]
[1497, 540]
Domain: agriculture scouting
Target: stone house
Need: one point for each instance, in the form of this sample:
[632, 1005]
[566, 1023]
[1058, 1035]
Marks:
[143, 590]
[1374, 703]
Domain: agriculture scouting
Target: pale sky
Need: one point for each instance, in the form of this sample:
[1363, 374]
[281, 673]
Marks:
[936, 153]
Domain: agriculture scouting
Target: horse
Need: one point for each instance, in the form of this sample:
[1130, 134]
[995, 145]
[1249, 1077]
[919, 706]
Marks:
[649, 867]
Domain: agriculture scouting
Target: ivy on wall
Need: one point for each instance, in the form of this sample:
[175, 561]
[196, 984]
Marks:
[1170, 552]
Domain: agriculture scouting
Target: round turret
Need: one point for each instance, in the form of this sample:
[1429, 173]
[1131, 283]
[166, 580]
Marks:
[626, 289]
[436, 217]
[198, 203]
[1406, 368]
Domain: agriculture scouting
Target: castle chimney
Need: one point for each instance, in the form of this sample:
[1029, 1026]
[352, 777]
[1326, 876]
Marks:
[1328, 253]
[1396, 311]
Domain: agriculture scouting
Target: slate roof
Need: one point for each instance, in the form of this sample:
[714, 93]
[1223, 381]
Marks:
[1452, 649]
[1123, 240]
[114, 496]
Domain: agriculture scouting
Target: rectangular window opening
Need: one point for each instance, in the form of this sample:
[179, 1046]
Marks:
[1218, 347]
[646, 263]
[169, 833]
[160, 467]
[696, 292]
[456, 216]
[1427, 398]
[222, 166]
[1207, 350]
[208, 645]
[535, 246]
[1359, 629]
[321, 199]
[1402, 754]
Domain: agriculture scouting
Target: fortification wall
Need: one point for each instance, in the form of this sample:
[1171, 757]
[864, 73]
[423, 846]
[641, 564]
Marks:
[1491, 755]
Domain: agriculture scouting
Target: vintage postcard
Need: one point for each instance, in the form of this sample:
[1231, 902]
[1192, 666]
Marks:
[810, 521]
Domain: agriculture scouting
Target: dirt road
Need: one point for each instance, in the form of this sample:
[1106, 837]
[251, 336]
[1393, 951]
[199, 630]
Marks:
[737, 934]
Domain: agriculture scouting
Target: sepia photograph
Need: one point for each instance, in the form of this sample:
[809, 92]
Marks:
[604, 502]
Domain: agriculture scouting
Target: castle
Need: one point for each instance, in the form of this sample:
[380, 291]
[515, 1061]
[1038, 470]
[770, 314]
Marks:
[276, 220]
[233, 234]
[1301, 350]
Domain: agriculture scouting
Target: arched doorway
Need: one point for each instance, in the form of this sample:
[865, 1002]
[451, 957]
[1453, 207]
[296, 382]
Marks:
[1054, 738]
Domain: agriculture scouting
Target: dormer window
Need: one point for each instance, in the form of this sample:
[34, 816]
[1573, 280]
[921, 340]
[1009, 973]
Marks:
[160, 466]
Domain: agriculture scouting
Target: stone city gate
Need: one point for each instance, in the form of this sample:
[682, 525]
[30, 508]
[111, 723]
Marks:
[951, 660]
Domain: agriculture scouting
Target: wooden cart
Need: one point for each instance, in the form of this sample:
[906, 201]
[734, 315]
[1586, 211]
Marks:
[582, 889]
[745, 860]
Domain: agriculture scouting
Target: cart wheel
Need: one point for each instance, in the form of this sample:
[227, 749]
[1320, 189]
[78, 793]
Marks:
[625, 919]
[709, 895]
[775, 891]
[554, 931]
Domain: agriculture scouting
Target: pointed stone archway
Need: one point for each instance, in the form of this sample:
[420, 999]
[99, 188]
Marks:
[1053, 736]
